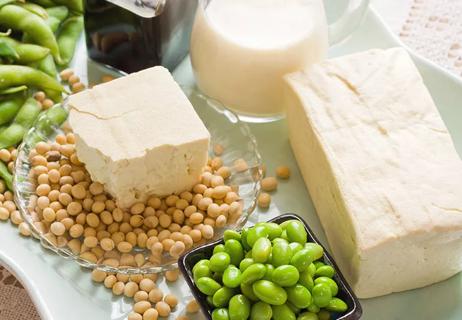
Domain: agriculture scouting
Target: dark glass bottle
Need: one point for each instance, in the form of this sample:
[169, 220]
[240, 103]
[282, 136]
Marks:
[131, 41]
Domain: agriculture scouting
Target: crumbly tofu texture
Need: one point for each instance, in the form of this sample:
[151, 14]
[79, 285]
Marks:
[381, 169]
[139, 135]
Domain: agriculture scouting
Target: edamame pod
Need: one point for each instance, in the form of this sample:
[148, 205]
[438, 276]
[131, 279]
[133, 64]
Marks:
[299, 296]
[239, 307]
[261, 311]
[231, 234]
[232, 277]
[269, 292]
[73, 5]
[283, 312]
[234, 248]
[68, 36]
[324, 315]
[18, 18]
[6, 176]
[13, 75]
[26, 52]
[10, 107]
[58, 12]
[261, 250]
[253, 273]
[207, 286]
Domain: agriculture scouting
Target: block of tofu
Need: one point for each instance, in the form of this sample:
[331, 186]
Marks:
[139, 135]
[381, 169]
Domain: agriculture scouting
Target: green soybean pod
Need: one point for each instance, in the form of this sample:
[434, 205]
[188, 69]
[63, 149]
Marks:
[269, 292]
[73, 5]
[28, 113]
[256, 233]
[337, 305]
[12, 135]
[14, 75]
[222, 296]
[239, 308]
[282, 253]
[207, 286]
[46, 65]
[296, 232]
[12, 90]
[6, 176]
[253, 273]
[44, 3]
[273, 229]
[283, 312]
[299, 296]
[68, 36]
[231, 234]
[46, 122]
[261, 250]
[307, 316]
[245, 263]
[26, 52]
[269, 272]
[261, 311]
[219, 262]
[219, 248]
[18, 18]
[324, 315]
[232, 277]
[306, 280]
[10, 107]
[301, 260]
[316, 250]
[201, 271]
[220, 314]
[285, 275]
[234, 248]
[58, 12]
[331, 283]
[325, 271]
[35, 9]
[295, 246]
[321, 295]
[247, 291]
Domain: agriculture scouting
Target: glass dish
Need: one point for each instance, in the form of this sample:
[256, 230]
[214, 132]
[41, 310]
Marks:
[188, 260]
[225, 129]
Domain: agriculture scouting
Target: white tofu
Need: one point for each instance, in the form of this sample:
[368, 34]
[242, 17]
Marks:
[381, 169]
[139, 135]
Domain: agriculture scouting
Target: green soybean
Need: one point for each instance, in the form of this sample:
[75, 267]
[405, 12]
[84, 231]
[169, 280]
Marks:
[269, 292]
[239, 307]
[283, 312]
[253, 273]
[220, 314]
[331, 283]
[292, 307]
[219, 248]
[295, 246]
[234, 248]
[244, 242]
[222, 297]
[269, 272]
[337, 305]
[321, 295]
[245, 263]
[58, 12]
[207, 286]
[256, 233]
[261, 311]
[311, 269]
[232, 277]
[231, 234]
[200, 263]
[318, 264]
[316, 250]
[325, 271]
[285, 276]
[201, 271]
[308, 316]
[306, 280]
[219, 261]
[324, 315]
[18, 18]
[261, 250]
[296, 232]
[14, 75]
[68, 36]
[282, 253]
[313, 308]
[273, 229]
[299, 296]
[10, 107]
[301, 260]
[35, 9]
[247, 291]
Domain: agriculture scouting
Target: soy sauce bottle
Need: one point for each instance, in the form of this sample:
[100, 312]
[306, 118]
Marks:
[131, 35]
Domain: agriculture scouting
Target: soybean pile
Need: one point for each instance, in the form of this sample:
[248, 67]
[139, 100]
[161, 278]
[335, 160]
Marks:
[37, 40]
[268, 271]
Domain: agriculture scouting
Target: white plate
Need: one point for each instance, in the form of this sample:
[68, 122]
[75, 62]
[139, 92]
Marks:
[62, 290]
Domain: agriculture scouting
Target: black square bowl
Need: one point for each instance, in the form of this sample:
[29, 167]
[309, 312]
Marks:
[187, 262]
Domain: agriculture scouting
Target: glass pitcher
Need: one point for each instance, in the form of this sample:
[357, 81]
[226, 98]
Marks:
[241, 49]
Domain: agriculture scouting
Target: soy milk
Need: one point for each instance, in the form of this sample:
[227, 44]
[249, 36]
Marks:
[240, 49]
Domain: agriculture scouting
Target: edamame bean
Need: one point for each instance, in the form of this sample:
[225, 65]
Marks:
[311, 269]
[201, 262]
[231, 234]
[220, 314]
[282, 253]
[256, 233]
[295, 246]
[306, 280]
[253, 273]
[321, 295]
[273, 229]
[299, 296]
[324, 315]
[269, 272]
[285, 276]
[316, 250]
[313, 307]
[207, 286]
[46, 65]
[308, 316]
[18, 18]
[301, 260]
[247, 291]
[269, 292]
[325, 271]
[245, 263]
[261, 250]
[209, 300]
[219, 248]
[68, 36]
[10, 107]
[222, 297]
[201, 271]
[244, 242]
[219, 262]
[261, 311]
[282, 312]
[292, 307]
[318, 264]
[35, 9]
[239, 307]
[232, 277]
[337, 305]
[296, 232]
[234, 248]
[331, 283]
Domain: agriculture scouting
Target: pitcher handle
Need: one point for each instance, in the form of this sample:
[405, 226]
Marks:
[348, 21]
